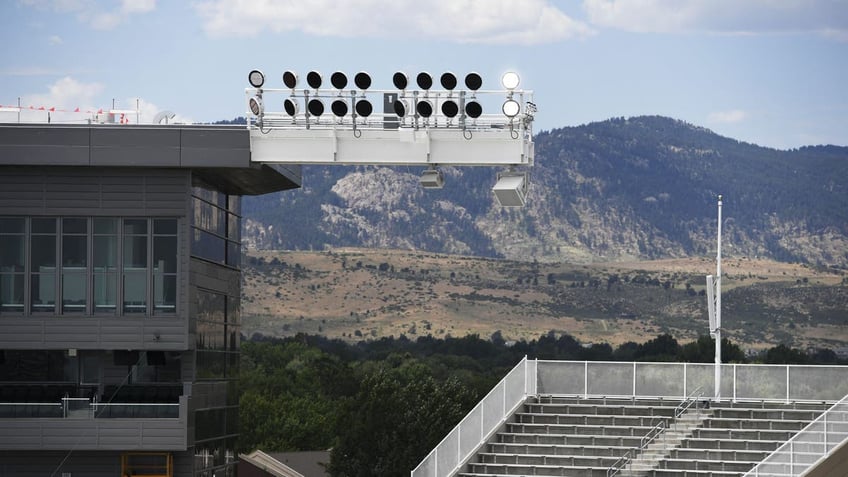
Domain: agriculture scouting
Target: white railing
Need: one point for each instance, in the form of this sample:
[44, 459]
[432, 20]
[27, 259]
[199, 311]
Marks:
[811, 445]
[481, 423]
[740, 382]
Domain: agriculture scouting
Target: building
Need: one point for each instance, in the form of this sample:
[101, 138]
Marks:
[119, 297]
[284, 464]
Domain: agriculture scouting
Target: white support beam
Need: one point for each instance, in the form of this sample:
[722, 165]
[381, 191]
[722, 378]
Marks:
[402, 146]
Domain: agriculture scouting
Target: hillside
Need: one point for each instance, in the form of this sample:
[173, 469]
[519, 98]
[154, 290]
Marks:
[623, 189]
[357, 294]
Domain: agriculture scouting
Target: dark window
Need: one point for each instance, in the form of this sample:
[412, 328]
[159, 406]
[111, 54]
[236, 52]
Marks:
[74, 265]
[43, 265]
[12, 264]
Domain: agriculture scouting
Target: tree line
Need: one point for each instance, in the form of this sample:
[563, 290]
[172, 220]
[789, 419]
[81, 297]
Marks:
[382, 405]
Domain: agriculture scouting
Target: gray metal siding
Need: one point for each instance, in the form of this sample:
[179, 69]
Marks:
[104, 192]
[93, 434]
[94, 332]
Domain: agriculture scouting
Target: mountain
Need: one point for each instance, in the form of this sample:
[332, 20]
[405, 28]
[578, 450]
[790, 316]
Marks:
[623, 189]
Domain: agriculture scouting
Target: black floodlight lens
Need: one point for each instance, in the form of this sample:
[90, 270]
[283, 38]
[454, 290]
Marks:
[473, 109]
[255, 105]
[400, 108]
[424, 80]
[400, 80]
[256, 78]
[313, 79]
[511, 108]
[424, 108]
[290, 79]
[338, 80]
[364, 108]
[450, 108]
[473, 81]
[448, 81]
[362, 80]
[315, 107]
[339, 107]
[290, 106]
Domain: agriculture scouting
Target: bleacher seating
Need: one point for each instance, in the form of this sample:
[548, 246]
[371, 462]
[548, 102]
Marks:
[560, 436]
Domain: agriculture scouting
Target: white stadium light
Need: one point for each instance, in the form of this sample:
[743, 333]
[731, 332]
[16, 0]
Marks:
[426, 119]
[510, 80]
[432, 179]
[256, 78]
[511, 189]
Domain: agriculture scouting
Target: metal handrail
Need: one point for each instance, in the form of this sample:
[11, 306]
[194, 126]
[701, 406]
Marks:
[652, 434]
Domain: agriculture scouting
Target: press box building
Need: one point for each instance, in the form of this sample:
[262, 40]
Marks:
[119, 297]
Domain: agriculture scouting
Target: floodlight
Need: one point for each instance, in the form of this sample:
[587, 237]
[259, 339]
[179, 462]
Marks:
[400, 80]
[313, 79]
[315, 107]
[362, 80]
[339, 107]
[256, 106]
[338, 80]
[448, 81]
[473, 81]
[424, 108]
[290, 106]
[473, 109]
[450, 108]
[364, 108]
[510, 80]
[511, 189]
[256, 78]
[401, 108]
[424, 80]
[432, 179]
[290, 79]
[511, 108]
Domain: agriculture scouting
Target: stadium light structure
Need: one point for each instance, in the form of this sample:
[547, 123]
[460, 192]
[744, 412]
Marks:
[424, 120]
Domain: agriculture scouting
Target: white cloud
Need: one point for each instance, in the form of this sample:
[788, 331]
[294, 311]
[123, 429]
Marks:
[94, 13]
[466, 21]
[732, 116]
[826, 17]
[55, 40]
[65, 93]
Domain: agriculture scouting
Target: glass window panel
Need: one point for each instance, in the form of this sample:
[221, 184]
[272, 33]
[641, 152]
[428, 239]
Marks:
[165, 254]
[233, 229]
[211, 336]
[106, 226]
[234, 204]
[208, 246]
[11, 253]
[43, 252]
[12, 225]
[43, 292]
[105, 292]
[74, 226]
[135, 252]
[11, 292]
[234, 254]
[105, 252]
[164, 293]
[165, 226]
[233, 310]
[210, 306]
[74, 251]
[211, 364]
[135, 292]
[73, 292]
[43, 226]
[135, 226]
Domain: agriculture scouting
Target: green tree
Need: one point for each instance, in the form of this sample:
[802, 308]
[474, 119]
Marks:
[397, 417]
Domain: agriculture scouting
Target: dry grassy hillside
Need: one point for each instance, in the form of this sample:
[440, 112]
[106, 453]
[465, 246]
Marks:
[365, 294]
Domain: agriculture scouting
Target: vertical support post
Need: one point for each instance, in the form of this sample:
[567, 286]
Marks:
[718, 310]
[788, 367]
[685, 394]
[586, 379]
[634, 379]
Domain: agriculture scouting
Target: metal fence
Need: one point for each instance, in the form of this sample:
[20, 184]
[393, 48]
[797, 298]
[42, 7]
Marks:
[807, 447]
[739, 382]
[476, 428]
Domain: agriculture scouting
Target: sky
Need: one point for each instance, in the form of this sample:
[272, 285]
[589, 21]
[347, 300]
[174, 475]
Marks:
[769, 72]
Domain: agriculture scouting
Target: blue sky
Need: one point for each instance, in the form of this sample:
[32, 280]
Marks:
[770, 72]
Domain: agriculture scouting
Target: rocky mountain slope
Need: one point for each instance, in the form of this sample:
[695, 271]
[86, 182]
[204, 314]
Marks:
[638, 188]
